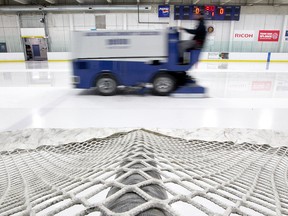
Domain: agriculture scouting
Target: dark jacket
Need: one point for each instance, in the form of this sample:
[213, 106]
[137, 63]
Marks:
[200, 32]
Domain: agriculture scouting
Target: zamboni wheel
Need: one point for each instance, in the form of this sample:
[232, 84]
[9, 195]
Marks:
[106, 85]
[163, 84]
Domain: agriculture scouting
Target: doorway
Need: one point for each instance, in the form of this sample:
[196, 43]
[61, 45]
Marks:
[35, 49]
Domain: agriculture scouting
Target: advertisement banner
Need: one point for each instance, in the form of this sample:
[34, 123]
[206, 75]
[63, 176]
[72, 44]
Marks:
[217, 55]
[282, 86]
[163, 10]
[243, 35]
[268, 35]
[3, 48]
[286, 35]
[261, 85]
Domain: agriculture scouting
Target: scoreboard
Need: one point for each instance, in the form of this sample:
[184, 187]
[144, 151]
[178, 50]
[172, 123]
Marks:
[210, 12]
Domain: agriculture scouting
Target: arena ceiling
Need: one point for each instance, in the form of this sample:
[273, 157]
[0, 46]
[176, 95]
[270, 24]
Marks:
[143, 2]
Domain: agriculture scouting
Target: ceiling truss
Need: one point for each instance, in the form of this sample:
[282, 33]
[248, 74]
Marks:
[167, 2]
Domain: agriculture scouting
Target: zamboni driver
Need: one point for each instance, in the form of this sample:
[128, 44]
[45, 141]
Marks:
[197, 41]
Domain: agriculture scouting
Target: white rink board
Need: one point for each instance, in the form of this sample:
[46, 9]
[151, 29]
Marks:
[119, 44]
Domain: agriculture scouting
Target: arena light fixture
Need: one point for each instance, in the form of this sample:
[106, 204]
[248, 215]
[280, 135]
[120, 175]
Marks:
[75, 8]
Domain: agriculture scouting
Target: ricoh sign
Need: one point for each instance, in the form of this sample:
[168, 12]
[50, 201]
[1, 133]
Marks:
[243, 35]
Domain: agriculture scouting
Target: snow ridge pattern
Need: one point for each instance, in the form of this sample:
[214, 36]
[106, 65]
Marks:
[145, 173]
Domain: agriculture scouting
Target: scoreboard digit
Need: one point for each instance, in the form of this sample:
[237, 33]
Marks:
[228, 13]
[236, 15]
[186, 12]
[220, 13]
[177, 12]
[210, 12]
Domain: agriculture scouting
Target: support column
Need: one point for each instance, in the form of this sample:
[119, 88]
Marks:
[71, 26]
[282, 36]
[125, 24]
[231, 36]
[46, 29]
[20, 26]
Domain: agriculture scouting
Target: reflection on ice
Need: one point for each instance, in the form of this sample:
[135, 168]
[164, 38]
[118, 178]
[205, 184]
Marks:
[35, 73]
[37, 65]
[247, 84]
[222, 79]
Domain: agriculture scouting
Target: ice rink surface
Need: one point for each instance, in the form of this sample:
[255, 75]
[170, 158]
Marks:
[227, 178]
[241, 95]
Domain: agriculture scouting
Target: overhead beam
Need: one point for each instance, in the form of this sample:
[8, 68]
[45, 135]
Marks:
[66, 8]
[225, 2]
[22, 1]
[51, 1]
[257, 1]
